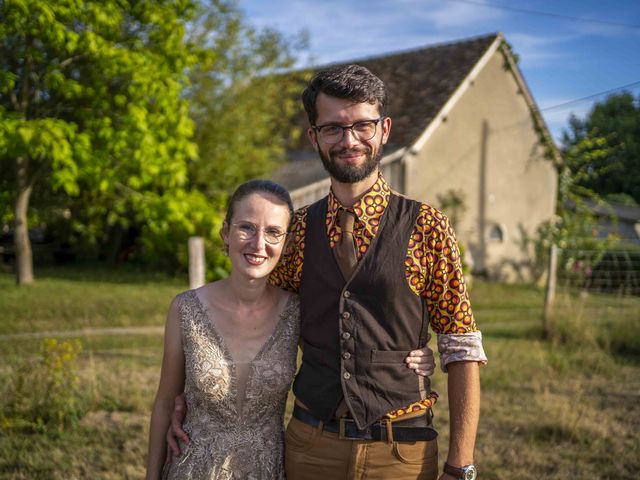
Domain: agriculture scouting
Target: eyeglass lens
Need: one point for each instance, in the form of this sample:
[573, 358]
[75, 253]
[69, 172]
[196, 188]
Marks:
[247, 231]
[364, 130]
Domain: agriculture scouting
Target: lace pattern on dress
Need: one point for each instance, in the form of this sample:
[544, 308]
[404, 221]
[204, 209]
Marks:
[226, 444]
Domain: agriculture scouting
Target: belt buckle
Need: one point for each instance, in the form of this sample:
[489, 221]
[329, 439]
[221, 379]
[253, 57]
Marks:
[342, 429]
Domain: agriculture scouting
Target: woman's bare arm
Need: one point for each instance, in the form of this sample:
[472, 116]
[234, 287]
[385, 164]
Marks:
[171, 384]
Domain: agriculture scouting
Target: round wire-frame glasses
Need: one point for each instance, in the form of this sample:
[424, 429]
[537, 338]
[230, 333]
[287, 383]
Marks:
[248, 230]
[362, 130]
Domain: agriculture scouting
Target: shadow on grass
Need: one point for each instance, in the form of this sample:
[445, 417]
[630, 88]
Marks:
[99, 272]
[516, 331]
[143, 358]
[628, 356]
[555, 434]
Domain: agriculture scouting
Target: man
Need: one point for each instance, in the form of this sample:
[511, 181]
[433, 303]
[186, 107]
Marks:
[373, 270]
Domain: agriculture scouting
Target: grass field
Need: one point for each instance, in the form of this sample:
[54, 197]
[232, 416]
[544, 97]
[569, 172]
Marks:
[562, 408]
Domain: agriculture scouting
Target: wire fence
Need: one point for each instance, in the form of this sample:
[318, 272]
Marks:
[594, 289]
[613, 272]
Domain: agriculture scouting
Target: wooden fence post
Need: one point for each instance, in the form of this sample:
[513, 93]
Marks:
[550, 290]
[196, 262]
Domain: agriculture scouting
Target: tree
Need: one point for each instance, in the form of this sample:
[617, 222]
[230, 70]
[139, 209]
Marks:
[576, 225]
[91, 105]
[241, 101]
[103, 106]
[618, 120]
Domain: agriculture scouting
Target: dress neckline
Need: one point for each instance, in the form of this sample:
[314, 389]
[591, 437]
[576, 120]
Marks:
[236, 385]
[223, 343]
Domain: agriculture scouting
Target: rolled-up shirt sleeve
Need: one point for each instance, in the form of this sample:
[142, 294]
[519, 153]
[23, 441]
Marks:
[460, 347]
[445, 291]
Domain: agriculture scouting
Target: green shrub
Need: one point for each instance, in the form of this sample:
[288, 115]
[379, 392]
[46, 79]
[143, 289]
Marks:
[45, 394]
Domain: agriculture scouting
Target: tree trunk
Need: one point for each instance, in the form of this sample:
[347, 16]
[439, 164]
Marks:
[22, 244]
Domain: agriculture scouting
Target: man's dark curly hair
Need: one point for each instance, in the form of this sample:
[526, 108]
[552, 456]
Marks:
[352, 82]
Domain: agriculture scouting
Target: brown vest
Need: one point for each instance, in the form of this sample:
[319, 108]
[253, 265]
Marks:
[356, 333]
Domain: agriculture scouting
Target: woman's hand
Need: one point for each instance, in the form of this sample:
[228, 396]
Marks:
[421, 361]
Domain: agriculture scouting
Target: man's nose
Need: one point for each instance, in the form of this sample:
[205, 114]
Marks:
[349, 138]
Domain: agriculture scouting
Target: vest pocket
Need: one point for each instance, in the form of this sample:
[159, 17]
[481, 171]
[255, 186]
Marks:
[389, 356]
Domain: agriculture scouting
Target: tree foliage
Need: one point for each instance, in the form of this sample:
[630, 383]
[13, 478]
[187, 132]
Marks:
[600, 165]
[618, 120]
[576, 225]
[243, 96]
[90, 103]
[241, 102]
[103, 105]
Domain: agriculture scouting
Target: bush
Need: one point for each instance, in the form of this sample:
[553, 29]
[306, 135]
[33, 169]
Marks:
[44, 394]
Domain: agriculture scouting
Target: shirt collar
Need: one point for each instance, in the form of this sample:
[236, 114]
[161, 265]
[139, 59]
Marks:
[368, 209]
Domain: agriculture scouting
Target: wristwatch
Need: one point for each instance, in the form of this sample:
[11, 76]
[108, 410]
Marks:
[468, 472]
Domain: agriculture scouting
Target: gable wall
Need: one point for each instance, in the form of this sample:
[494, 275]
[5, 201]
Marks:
[518, 188]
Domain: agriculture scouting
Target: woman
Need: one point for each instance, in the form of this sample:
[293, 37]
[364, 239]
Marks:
[231, 345]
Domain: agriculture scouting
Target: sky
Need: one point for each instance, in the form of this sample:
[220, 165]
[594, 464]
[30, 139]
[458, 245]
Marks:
[569, 49]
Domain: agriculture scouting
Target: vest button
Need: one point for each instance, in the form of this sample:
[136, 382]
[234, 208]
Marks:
[346, 355]
[345, 315]
[346, 375]
[346, 335]
[347, 294]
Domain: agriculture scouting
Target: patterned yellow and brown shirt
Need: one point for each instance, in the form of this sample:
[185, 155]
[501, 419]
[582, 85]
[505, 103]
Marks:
[433, 270]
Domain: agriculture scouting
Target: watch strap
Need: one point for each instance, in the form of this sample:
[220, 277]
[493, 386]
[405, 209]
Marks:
[454, 471]
[459, 472]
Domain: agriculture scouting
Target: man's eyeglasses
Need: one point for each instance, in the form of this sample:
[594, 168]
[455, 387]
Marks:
[363, 130]
[248, 230]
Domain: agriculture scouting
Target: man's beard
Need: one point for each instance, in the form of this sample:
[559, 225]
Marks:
[348, 173]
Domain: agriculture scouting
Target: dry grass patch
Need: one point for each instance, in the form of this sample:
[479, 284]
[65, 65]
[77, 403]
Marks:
[563, 414]
[550, 410]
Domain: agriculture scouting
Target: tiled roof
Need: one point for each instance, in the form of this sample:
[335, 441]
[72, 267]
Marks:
[419, 83]
[624, 213]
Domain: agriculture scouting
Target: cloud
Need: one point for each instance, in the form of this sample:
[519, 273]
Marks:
[340, 31]
[451, 15]
[537, 50]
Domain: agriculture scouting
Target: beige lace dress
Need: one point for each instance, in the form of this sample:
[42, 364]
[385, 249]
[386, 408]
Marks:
[226, 443]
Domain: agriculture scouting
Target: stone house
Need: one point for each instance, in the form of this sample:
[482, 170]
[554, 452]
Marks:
[464, 122]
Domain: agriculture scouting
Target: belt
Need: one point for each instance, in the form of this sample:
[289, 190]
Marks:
[383, 430]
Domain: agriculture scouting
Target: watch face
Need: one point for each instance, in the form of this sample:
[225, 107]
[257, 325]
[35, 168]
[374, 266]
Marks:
[469, 473]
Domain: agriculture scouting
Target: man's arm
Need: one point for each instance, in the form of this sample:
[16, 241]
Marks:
[459, 341]
[464, 412]
[175, 431]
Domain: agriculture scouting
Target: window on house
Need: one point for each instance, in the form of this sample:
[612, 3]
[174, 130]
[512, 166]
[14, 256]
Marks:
[496, 234]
